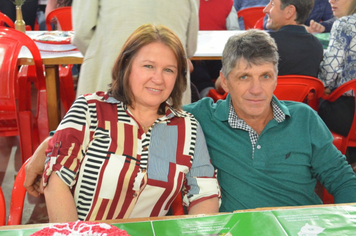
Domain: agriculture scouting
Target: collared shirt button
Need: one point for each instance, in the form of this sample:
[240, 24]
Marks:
[134, 195]
[258, 146]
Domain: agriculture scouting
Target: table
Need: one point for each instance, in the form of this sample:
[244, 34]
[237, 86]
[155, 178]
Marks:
[210, 47]
[338, 219]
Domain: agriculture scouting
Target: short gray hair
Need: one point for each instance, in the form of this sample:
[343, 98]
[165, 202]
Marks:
[255, 46]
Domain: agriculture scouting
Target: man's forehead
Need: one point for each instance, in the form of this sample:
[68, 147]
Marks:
[243, 65]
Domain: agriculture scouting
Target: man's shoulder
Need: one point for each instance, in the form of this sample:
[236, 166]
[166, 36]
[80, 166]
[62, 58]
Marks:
[204, 105]
[297, 108]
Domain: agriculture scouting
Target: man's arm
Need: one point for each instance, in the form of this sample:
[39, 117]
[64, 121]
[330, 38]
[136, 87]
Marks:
[34, 170]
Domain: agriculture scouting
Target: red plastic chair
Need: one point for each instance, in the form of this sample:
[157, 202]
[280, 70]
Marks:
[342, 142]
[215, 95]
[63, 16]
[251, 15]
[2, 208]
[4, 19]
[259, 23]
[17, 197]
[177, 205]
[67, 92]
[17, 116]
[300, 88]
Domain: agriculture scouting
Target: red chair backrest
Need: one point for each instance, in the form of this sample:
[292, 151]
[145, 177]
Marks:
[2, 208]
[342, 142]
[300, 88]
[17, 197]
[251, 15]
[4, 19]
[259, 23]
[215, 95]
[15, 91]
[63, 16]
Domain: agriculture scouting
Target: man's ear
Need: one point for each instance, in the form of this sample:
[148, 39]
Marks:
[224, 82]
[290, 12]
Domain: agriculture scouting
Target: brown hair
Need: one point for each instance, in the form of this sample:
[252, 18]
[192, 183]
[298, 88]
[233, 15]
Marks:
[353, 8]
[146, 34]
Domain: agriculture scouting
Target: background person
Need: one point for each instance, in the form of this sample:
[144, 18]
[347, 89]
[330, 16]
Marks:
[338, 67]
[321, 18]
[128, 152]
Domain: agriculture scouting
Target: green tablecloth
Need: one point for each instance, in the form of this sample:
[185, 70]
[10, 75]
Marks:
[322, 221]
[324, 39]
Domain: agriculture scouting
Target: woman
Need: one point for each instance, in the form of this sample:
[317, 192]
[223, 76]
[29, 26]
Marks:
[338, 67]
[127, 152]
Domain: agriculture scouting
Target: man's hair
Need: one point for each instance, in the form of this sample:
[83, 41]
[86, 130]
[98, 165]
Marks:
[142, 36]
[303, 8]
[255, 46]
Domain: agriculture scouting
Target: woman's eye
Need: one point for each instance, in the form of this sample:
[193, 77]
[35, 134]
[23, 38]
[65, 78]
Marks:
[148, 66]
[169, 70]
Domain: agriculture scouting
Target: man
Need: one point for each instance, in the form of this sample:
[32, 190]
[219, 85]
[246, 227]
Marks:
[267, 152]
[300, 52]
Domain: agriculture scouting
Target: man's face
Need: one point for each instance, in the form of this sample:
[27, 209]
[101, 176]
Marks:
[276, 16]
[251, 89]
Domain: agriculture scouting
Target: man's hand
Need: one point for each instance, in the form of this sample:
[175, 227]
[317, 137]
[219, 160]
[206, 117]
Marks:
[315, 27]
[34, 170]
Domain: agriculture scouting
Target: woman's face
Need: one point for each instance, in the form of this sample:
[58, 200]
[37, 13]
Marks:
[340, 8]
[153, 75]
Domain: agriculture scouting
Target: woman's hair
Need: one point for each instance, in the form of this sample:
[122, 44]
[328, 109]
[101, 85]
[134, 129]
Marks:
[255, 46]
[144, 35]
[352, 7]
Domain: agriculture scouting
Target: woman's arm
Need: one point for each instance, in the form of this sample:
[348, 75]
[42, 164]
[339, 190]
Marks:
[59, 200]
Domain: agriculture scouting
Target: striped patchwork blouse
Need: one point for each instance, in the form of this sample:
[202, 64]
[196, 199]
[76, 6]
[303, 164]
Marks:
[115, 170]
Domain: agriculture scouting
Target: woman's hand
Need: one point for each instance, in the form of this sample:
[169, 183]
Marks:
[34, 170]
[315, 27]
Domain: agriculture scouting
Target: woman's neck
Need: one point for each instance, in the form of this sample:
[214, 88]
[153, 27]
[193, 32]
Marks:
[145, 117]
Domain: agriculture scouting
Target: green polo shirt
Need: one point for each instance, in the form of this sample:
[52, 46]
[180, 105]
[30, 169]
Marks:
[288, 159]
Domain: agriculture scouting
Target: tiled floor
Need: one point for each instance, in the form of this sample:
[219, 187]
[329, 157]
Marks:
[10, 159]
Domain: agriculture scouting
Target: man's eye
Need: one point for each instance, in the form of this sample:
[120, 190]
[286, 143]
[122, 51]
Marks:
[266, 76]
[243, 77]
